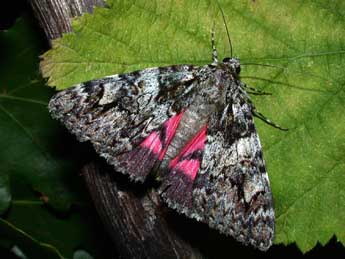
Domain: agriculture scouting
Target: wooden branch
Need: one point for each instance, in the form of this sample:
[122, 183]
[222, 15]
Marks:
[135, 216]
[136, 221]
[54, 15]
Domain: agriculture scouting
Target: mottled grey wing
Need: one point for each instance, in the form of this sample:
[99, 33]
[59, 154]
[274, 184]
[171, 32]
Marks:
[231, 190]
[117, 113]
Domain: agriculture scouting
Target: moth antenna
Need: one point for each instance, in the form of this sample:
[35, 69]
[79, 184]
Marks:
[226, 27]
[214, 50]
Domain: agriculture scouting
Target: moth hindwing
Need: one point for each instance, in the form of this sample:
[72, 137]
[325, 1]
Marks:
[195, 125]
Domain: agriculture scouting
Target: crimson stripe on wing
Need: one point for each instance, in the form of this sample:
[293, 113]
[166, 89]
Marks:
[188, 161]
[140, 161]
[177, 185]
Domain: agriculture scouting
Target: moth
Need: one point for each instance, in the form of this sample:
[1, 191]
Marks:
[191, 125]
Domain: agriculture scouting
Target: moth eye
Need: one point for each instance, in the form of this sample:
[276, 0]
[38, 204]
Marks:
[238, 69]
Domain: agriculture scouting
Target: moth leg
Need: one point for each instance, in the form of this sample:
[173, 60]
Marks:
[255, 91]
[214, 50]
[262, 117]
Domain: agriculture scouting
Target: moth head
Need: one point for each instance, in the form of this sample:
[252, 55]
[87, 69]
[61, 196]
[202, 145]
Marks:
[233, 64]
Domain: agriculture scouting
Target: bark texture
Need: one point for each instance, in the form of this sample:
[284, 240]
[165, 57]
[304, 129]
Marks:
[54, 15]
[135, 216]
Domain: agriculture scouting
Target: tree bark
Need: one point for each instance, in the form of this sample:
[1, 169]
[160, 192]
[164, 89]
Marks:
[132, 214]
[54, 15]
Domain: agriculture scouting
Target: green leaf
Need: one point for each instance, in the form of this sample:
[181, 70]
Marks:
[66, 232]
[81, 254]
[304, 43]
[38, 171]
[30, 152]
[28, 245]
[5, 194]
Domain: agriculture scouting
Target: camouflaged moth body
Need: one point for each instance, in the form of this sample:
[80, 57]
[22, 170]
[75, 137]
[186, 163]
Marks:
[191, 124]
